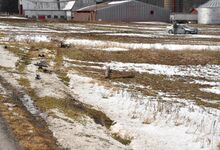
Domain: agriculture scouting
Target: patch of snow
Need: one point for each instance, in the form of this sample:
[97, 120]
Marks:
[215, 90]
[49, 84]
[27, 38]
[7, 59]
[29, 104]
[13, 17]
[205, 36]
[201, 82]
[209, 72]
[35, 38]
[118, 2]
[114, 49]
[99, 43]
[73, 135]
[169, 124]
[69, 5]
[130, 34]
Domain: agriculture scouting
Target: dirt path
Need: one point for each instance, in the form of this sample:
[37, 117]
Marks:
[31, 131]
[7, 142]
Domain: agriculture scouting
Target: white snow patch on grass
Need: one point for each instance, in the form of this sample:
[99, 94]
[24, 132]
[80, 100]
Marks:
[29, 104]
[132, 35]
[7, 59]
[215, 86]
[34, 38]
[49, 84]
[215, 90]
[114, 49]
[207, 71]
[13, 17]
[205, 36]
[118, 2]
[201, 82]
[87, 135]
[170, 124]
[99, 43]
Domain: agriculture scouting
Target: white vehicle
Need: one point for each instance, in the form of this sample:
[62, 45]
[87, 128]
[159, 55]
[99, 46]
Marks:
[182, 29]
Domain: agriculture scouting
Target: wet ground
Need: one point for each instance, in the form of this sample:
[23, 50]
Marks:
[7, 142]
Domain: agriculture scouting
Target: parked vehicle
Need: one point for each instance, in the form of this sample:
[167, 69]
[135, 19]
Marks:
[182, 29]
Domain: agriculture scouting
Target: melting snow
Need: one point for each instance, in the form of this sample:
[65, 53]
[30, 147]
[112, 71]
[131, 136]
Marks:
[35, 38]
[7, 59]
[150, 123]
[72, 134]
[69, 5]
[99, 43]
[208, 71]
[114, 49]
[215, 90]
[49, 85]
[118, 2]
[13, 17]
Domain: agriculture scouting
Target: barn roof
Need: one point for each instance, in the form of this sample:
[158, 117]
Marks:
[69, 5]
[52, 5]
[211, 4]
[103, 5]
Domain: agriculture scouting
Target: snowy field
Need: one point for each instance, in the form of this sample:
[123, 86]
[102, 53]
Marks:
[164, 93]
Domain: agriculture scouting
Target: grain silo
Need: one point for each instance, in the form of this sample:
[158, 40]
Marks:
[209, 13]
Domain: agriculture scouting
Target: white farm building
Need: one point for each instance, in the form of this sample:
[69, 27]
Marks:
[52, 9]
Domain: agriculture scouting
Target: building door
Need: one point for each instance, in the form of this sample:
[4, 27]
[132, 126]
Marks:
[41, 17]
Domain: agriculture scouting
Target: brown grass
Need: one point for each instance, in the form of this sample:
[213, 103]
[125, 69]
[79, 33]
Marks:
[147, 56]
[24, 128]
[121, 140]
[178, 86]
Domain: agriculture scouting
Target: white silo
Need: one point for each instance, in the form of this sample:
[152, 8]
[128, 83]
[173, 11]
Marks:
[209, 13]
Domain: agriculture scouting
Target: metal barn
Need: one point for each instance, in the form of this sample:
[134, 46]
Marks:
[209, 13]
[53, 9]
[122, 11]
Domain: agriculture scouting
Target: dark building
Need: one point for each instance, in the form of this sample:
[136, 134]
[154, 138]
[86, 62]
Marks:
[188, 5]
[182, 5]
[9, 6]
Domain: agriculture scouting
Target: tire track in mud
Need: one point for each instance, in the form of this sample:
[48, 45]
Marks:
[18, 97]
[40, 137]
[7, 139]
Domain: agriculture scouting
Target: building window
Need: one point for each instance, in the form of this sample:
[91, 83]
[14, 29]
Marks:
[55, 17]
[62, 17]
[152, 12]
[34, 17]
[49, 16]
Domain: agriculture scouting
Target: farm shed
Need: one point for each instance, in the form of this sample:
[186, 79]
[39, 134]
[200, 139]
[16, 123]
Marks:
[209, 13]
[122, 11]
[52, 9]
